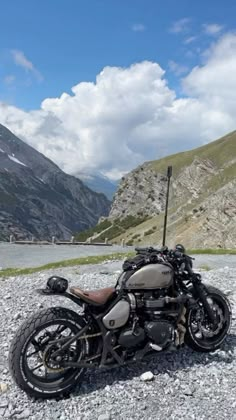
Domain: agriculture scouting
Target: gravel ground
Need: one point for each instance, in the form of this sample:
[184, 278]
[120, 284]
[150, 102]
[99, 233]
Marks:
[185, 385]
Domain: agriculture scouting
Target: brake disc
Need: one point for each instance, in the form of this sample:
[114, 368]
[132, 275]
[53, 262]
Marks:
[207, 331]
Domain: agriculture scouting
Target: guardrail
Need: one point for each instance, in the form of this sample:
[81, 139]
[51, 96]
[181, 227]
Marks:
[54, 241]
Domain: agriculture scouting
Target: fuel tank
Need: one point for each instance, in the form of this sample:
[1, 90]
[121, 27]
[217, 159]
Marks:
[151, 276]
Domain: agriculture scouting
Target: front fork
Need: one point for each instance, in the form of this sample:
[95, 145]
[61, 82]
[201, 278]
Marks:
[200, 292]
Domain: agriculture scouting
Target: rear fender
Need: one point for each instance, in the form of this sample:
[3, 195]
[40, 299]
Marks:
[47, 292]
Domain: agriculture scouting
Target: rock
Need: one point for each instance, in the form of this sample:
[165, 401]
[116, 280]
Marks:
[147, 376]
[228, 292]
[105, 416]
[187, 390]
[3, 387]
[2, 412]
[3, 403]
[7, 414]
[137, 193]
[24, 415]
[7, 297]
[17, 316]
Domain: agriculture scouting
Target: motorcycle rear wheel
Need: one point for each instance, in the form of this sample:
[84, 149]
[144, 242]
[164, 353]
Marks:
[30, 345]
[200, 335]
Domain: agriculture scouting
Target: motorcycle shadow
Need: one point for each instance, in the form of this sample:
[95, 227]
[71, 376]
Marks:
[160, 363]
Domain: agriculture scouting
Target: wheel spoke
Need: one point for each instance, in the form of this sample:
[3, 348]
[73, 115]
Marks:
[60, 329]
[31, 354]
[35, 343]
[37, 367]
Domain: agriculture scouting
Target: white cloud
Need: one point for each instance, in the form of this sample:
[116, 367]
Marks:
[181, 25]
[130, 115]
[21, 60]
[9, 79]
[177, 68]
[190, 40]
[212, 28]
[138, 27]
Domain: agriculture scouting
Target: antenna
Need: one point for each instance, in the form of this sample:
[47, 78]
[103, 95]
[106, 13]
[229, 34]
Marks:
[169, 175]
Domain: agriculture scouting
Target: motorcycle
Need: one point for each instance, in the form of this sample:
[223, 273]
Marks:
[158, 303]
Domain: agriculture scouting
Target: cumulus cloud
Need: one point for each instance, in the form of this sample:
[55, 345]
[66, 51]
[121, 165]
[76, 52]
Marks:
[180, 26]
[130, 115]
[212, 28]
[138, 27]
[20, 59]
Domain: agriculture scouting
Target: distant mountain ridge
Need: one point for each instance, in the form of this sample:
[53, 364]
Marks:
[100, 184]
[37, 198]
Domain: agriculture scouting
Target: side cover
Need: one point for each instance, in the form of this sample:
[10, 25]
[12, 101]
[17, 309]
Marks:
[117, 316]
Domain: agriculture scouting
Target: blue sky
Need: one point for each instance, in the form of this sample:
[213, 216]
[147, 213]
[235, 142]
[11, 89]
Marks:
[71, 41]
[100, 86]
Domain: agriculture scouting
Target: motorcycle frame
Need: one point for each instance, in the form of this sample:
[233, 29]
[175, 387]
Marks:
[106, 335]
[90, 317]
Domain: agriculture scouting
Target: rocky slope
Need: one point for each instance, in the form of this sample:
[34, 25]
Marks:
[141, 192]
[37, 198]
[202, 199]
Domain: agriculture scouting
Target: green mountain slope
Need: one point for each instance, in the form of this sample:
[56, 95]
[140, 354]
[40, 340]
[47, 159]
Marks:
[220, 152]
[202, 210]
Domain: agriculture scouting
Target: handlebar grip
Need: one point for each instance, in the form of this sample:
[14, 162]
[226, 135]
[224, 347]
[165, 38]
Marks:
[138, 249]
[146, 250]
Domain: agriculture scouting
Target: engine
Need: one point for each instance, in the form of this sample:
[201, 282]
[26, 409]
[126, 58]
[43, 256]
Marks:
[152, 319]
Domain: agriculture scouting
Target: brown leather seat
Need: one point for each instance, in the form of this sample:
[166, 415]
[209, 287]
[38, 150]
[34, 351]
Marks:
[94, 297]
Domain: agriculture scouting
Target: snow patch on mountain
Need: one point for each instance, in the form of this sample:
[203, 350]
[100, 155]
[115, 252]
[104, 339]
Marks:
[16, 160]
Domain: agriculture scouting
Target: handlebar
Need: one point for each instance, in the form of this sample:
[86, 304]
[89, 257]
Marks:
[172, 256]
[151, 250]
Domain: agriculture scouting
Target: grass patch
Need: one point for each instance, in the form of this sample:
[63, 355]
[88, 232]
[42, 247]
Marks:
[219, 151]
[110, 229]
[205, 267]
[136, 236]
[150, 231]
[96, 259]
[212, 251]
[119, 226]
[82, 236]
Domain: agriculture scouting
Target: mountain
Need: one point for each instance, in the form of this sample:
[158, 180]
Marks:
[202, 205]
[37, 198]
[100, 184]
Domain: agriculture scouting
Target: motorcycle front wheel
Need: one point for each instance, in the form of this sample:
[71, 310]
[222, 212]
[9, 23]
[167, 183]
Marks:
[200, 335]
[29, 354]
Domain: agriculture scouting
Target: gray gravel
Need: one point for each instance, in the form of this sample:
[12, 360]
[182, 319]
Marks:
[186, 385]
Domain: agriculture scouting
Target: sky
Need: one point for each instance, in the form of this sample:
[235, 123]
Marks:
[100, 86]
